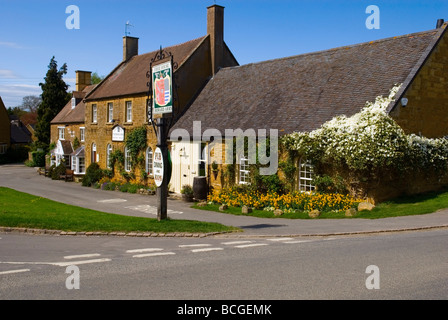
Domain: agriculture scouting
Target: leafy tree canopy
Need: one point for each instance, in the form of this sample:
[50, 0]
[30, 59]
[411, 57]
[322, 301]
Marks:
[54, 97]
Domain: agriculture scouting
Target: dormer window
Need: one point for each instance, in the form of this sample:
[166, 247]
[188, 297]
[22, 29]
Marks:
[73, 103]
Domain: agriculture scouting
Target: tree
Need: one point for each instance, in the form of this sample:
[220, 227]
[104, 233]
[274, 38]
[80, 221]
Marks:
[95, 79]
[54, 98]
[30, 103]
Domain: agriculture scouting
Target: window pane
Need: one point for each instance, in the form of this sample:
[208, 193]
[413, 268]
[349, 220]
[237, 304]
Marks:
[244, 171]
[94, 113]
[127, 160]
[110, 112]
[128, 111]
[149, 156]
[306, 175]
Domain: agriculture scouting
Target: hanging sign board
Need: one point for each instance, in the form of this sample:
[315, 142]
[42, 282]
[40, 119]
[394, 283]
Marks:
[162, 88]
[158, 167]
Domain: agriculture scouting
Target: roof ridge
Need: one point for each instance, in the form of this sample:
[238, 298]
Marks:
[173, 46]
[336, 48]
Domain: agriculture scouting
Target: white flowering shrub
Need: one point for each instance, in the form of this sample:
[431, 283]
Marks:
[368, 142]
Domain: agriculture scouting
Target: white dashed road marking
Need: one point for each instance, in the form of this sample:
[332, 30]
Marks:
[62, 264]
[298, 241]
[153, 254]
[14, 271]
[194, 245]
[144, 250]
[251, 245]
[280, 239]
[112, 200]
[236, 242]
[206, 249]
[90, 255]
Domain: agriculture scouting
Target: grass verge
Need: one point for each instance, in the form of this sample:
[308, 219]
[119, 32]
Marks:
[404, 206]
[22, 210]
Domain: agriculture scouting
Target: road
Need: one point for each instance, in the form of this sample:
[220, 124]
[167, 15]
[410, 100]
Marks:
[410, 266]
[273, 259]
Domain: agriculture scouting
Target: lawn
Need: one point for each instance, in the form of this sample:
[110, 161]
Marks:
[404, 206]
[18, 209]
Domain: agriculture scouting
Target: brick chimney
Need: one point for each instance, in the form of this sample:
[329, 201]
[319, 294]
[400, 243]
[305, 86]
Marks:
[83, 79]
[130, 47]
[215, 28]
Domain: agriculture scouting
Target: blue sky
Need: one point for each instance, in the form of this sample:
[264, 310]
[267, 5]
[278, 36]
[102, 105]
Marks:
[32, 31]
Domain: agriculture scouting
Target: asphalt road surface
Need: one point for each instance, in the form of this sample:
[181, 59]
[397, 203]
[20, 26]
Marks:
[393, 266]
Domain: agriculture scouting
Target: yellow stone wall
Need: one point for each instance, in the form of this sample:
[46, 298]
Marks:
[100, 132]
[427, 110]
[72, 130]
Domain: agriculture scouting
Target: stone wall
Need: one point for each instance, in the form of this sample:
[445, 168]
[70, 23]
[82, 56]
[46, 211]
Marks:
[427, 110]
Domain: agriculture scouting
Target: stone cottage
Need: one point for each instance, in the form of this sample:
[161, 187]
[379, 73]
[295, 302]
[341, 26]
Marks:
[68, 127]
[300, 93]
[118, 104]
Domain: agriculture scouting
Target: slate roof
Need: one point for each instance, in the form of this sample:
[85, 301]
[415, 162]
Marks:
[76, 115]
[129, 77]
[302, 92]
[19, 133]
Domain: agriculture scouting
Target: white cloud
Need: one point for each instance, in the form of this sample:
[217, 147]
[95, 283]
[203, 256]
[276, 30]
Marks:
[12, 94]
[12, 45]
[7, 74]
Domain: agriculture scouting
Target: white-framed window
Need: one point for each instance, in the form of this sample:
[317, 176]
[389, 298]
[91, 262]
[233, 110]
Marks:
[93, 152]
[61, 131]
[82, 133]
[202, 160]
[306, 175]
[108, 153]
[127, 160]
[73, 103]
[3, 148]
[128, 111]
[110, 112]
[149, 156]
[81, 165]
[94, 113]
[244, 170]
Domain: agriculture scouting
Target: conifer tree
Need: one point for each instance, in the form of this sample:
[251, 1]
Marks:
[54, 98]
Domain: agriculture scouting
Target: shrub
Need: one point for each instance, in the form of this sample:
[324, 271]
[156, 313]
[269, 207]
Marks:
[60, 169]
[327, 184]
[108, 173]
[270, 183]
[186, 189]
[124, 187]
[369, 145]
[51, 169]
[38, 158]
[133, 188]
[93, 174]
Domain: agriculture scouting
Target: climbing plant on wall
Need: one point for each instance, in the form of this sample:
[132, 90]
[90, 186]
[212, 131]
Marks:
[136, 142]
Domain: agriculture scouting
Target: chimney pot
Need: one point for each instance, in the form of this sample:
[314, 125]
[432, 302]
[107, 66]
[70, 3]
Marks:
[440, 23]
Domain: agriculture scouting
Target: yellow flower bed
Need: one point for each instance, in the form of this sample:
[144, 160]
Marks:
[296, 201]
